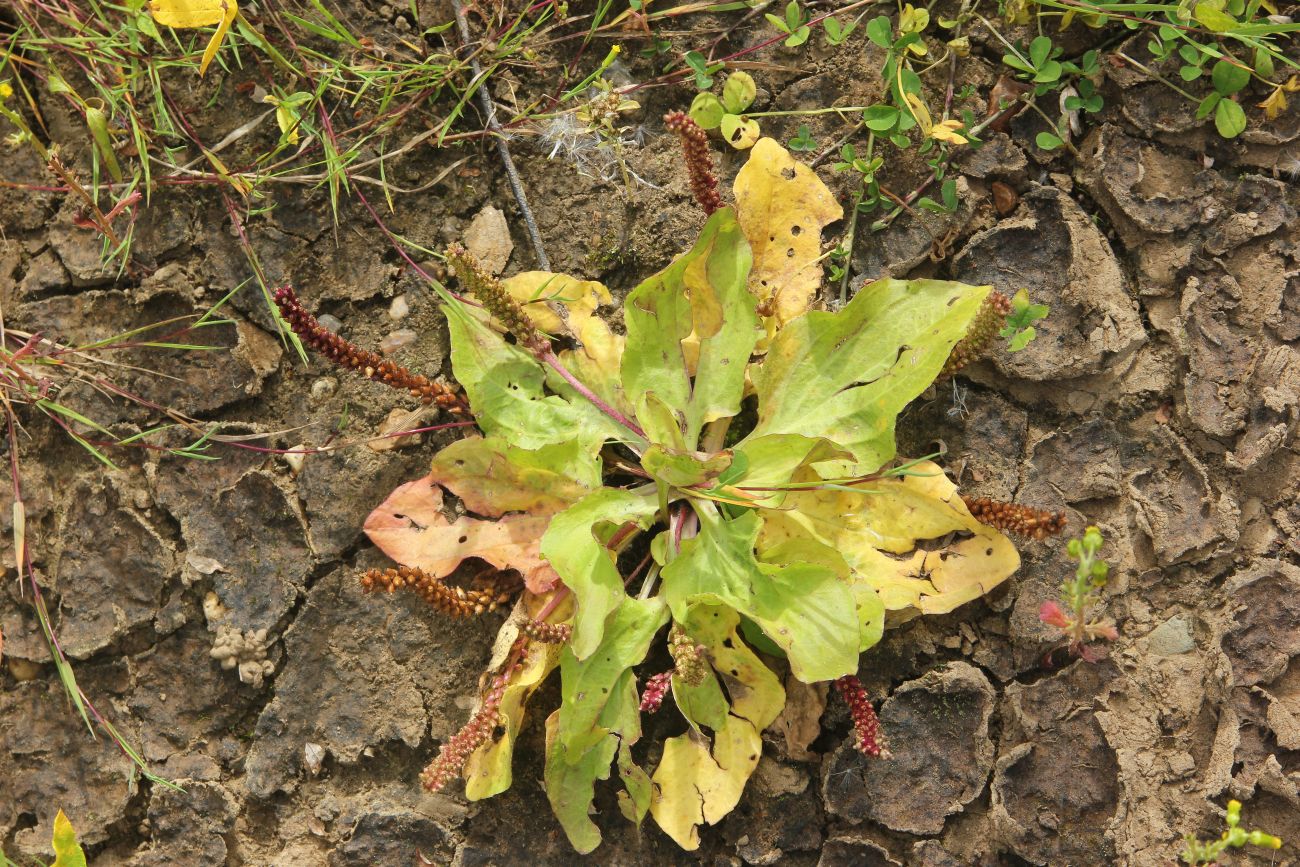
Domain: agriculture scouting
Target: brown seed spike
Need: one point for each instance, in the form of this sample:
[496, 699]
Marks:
[1014, 518]
[699, 161]
[496, 300]
[453, 601]
[370, 364]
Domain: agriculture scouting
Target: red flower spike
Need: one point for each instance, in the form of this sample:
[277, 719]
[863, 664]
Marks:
[655, 690]
[866, 724]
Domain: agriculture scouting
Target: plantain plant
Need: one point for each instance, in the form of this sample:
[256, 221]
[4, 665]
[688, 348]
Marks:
[721, 470]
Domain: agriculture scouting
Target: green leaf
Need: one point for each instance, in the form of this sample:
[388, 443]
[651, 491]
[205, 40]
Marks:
[1048, 72]
[584, 563]
[880, 117]
[1208, 105]
[845, 376]
[683, 469]
[587, 686]
[570, 780]
[1213, 19]
[1021, 339]
[701, 296]
[493, 477]
[1048, 141]
[704, 705]
[805, 608]
[778, 23]
[881, 31]
[1228, 78]
[738, 92]
[505, 388]
[634, 800]
[1039, 50]
[706, 110]
[1229, 119]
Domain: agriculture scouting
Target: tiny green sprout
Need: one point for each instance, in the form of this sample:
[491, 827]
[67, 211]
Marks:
[1081, 595]
[1019, 330]
[1197, 852]
[726, 114]
[703, 70]
[804, 140]
[837, 33]
[794, 25]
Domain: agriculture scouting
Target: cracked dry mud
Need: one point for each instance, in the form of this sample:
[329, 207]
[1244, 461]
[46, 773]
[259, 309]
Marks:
[1159, 402]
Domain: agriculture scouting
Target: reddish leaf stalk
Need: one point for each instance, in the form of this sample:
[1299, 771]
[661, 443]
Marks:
[866, 725]
[1014, 518]
[372, 365]
[699, 160]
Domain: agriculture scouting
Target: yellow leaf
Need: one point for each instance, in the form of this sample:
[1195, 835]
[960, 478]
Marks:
[185, 14]
[1274, 104]
[698, 783]
[782, 207]
[488, 769]
[1292, 84]
[949, 131]
[550, 299]
[67, 850]
[879, 530]
[920, 113]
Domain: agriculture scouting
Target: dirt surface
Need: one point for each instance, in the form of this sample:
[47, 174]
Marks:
[1160, 402]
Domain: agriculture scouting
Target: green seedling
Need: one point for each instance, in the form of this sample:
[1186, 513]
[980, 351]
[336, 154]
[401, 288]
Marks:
[726, 114]
[1082, 595]
[1019, 330]
[794, 24]
[1234, 837]
[1228, 79]
[837, 33]
[702, 70]
[803, 142]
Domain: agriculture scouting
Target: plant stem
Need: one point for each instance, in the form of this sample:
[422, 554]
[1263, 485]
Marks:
[549, 357]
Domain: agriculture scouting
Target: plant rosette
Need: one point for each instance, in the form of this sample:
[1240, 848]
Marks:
[752, 455]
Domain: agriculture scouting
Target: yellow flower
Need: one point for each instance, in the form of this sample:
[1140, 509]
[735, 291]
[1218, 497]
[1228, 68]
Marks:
[6, 91]
[948, 130]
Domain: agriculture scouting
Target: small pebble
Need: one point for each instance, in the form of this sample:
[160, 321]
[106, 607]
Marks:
[323, 389]
[295, 459]
[400, 308]
[396, 340]
[330, 322]
[313, 755]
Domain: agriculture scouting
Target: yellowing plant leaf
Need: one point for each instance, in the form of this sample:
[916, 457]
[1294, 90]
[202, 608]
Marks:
[698, 783]
[410, 528]
[184, 14]
[878, 530]
[488, 770]
[782, 207]
[492, 477]
[550, 300]
[1274, 104]
[67, 851]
